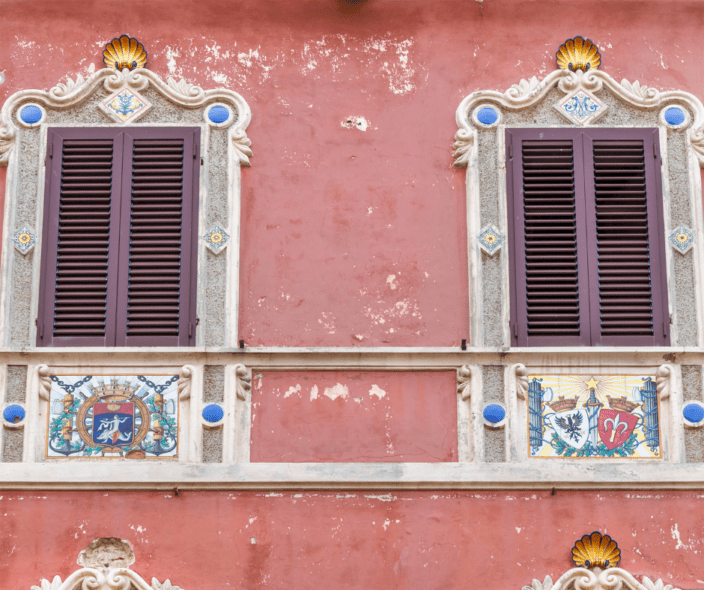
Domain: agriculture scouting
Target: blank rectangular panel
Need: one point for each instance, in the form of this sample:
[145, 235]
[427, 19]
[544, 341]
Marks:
[155, 252]
[623, 248]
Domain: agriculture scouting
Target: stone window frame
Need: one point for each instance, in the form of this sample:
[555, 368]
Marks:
[531, 103]
[225, 148]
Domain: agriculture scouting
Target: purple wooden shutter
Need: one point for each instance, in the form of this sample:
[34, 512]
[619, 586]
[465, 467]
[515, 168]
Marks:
[157, 273]
[548, 247]
[627, 276]
[80, 237]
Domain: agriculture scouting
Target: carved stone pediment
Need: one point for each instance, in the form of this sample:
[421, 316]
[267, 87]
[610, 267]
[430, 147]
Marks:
[74, 93]
[579, 578]
[106, 564]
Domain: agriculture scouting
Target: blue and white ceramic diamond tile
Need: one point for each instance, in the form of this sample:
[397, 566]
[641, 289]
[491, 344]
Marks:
[125, 105]
[490, 240]
[581, 107]
[24, 239]
[216, 239]
[682, 239]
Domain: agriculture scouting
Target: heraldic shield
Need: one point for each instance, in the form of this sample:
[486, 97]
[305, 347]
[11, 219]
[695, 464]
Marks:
[113, 423]
[615, 427]
[572, 426]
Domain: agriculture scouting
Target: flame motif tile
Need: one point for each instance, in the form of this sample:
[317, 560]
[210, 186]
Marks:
[24, 239]
[490, 240]
[682, 239]
[125, 106]
[216, 239]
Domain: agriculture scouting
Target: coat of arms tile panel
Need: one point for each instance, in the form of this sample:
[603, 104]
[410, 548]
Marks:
[131, 416]
[593, 416]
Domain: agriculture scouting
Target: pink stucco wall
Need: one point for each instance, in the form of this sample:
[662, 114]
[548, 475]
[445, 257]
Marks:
[351, 539]
[319, 416]
[353, 237]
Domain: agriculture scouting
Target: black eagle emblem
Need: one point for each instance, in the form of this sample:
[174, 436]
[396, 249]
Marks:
[571, 425]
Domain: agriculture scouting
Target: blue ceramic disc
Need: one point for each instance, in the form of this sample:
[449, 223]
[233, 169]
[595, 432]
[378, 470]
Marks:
[14, 413]
[693, 413]
[213, 413]
[31, 114]
[674, 116]
[487, 116]
[494, 413]
[218, 114]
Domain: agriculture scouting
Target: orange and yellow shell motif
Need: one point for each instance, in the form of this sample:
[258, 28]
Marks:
[578, 54]
[125, 52]
[596, 550]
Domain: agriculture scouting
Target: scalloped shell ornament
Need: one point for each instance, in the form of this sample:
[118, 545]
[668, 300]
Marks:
[596, 550]
[578, 54]
[124, 52]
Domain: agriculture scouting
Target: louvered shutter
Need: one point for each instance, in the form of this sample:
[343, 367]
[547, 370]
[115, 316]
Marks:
[157, 286]
[119, 247]
[546, 201]
[624, 212]
[587, 262]
[81, 232]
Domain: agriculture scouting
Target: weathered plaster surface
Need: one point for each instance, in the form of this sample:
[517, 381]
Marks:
[12, 445]
[344, 416]
[353, 539]
[494, 439]
[213, 383]
[16, 383]
[212, 445]
[25, 213]
[692, 391]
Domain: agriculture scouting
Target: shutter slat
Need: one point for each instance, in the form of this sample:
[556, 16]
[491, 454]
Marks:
[83, 236]
[552, 299]
[153, 298]
[618, 223]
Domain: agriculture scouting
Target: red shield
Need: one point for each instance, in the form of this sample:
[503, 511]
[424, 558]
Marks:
[615, 427]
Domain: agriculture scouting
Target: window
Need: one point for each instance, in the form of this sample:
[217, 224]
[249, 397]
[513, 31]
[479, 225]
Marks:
[587, 260]
[120, 237]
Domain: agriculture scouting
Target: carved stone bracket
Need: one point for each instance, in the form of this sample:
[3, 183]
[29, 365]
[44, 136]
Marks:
[663, 377]
[527, 93]
[464, 382]
[106, 564]
[73, 93]
[521, 375]
[244, 381]
[583, 579]
[185, 380]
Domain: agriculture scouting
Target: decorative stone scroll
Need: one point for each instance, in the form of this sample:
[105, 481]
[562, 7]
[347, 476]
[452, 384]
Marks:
[528, 93]
[127, 83]
[244, 382]
[464, 382]
[583, 579]
[106, 564]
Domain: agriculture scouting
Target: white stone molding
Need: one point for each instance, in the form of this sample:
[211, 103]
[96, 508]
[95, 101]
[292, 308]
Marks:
[664, 377]
[73, 93]
[529, 93]
[244, 382]
[43, 381]
[470, 434]
[185, 379]
[520, 376]
[464, 382]
[238, 414]
[579, 578]
[107, 568]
